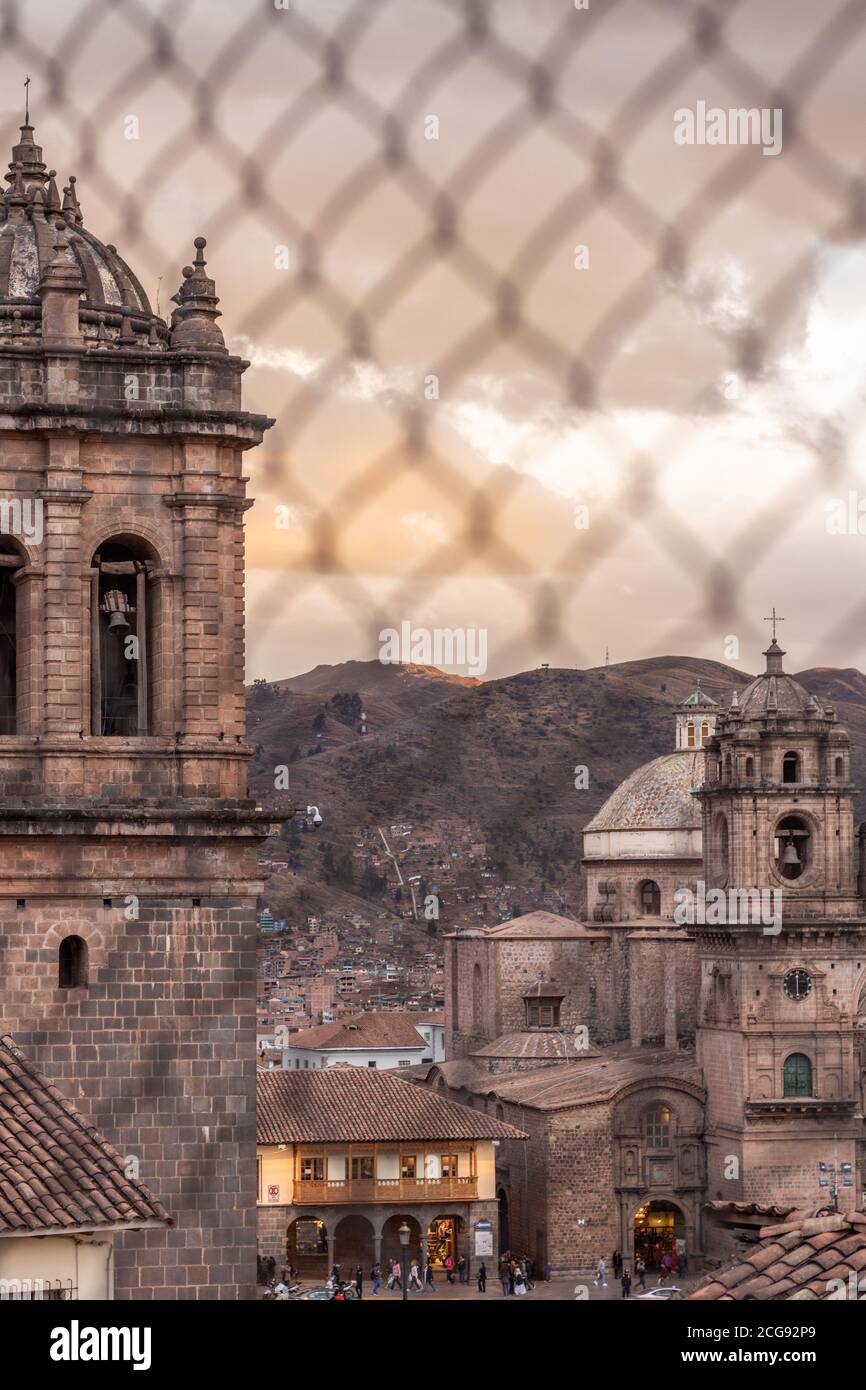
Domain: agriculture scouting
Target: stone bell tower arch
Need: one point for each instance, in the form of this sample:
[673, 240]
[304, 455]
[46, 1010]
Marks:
[128, 877]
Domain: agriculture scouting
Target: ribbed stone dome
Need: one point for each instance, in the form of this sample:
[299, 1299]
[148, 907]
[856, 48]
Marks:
[772, 695]
[30, 209]
[656, 796]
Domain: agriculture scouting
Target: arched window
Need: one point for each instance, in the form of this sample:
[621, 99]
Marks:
[121, 639]
[724, 846]
[72, 963]
[690, 735]
[793, 847]
[650, 899]
[476, 997]
[657, 1127]
[797, 1075]
[750, 767]
[705, 732]
[840, 767]
[11, 560]
[791, 767]
[729, 767]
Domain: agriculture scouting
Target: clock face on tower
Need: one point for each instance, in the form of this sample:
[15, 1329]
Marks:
[797, 984]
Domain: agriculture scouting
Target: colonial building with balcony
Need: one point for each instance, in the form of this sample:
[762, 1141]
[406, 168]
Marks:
[347, 1154]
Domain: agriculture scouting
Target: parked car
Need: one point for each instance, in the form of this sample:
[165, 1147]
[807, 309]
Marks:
[662, 1293]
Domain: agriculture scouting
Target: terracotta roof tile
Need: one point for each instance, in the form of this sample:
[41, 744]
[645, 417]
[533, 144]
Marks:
[796, 1264]
[358, 1104]
[363, 1031]
[56, 1170]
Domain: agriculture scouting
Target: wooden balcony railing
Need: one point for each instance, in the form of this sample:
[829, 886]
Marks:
[331, 1190]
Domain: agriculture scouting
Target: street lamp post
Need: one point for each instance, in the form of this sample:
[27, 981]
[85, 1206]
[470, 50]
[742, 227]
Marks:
[404, 1233]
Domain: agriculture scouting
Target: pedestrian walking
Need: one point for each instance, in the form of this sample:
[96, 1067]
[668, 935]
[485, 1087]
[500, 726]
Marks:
[601, 1273]
[414, 1280]
[481, 1276]
[428, 1278]
[625, 1281]
[512, 1270]
[461, 1268]
[519, 1282]
[376, 1278]
[503, 1276]
[684, 1268]
[548, 1270]
[640, 1271]
[359, 1281]
[272, 1267]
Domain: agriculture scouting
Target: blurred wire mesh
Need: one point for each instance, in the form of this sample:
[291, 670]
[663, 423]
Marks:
[314, 131]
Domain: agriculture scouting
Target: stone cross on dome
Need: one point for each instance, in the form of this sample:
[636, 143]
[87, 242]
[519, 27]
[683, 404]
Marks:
[774, 652]
[774, 619]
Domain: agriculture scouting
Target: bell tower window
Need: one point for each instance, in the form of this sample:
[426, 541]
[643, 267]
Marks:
[791, 767]
[121, 640]
[840, 767]
[793, 847]
[690, 735]
[8, 646]
[705, 732]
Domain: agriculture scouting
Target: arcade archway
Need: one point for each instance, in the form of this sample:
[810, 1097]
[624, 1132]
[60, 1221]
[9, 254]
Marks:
[307, 1246]
[353, 1244]
[391, 1247]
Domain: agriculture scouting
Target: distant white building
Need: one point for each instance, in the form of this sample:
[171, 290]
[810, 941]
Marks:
[375, 1040]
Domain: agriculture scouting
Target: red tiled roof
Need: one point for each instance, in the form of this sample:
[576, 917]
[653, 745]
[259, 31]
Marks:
[363, 1031]
[797, 1260]
[56, 1171]
[358, 1105]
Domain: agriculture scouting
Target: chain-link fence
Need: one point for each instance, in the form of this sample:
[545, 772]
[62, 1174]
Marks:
[554, 303]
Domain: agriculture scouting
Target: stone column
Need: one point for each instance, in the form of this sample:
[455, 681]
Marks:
[635, 987]
[66, 631]
[29, 585]
[670, 986]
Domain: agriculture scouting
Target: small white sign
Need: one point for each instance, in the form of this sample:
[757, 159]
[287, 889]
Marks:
[273, 1192]
[484, 1242]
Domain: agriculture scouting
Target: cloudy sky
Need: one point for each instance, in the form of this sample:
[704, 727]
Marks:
[637, 445]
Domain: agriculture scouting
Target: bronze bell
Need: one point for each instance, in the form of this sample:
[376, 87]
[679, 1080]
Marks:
[790, 856]
[118, 623]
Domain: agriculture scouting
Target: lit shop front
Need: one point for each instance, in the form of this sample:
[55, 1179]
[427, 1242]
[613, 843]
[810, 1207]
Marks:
[659, 1230]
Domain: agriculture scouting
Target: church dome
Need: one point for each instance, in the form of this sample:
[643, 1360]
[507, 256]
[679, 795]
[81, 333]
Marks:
[774, 695]
[656, 796]
[30, 207]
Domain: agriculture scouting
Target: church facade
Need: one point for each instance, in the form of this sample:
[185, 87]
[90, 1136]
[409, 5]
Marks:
[682, 1051]
[128, 877]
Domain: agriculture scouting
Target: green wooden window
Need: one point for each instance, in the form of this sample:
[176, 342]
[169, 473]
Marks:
[798, 1075]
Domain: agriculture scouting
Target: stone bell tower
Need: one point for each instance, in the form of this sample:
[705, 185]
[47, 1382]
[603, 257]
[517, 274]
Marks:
[783, 958]
[128, 877]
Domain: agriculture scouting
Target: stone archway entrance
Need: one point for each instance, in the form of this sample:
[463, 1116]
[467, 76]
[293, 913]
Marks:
[391, 1247]
[659, 1230]
[353, 1244]
[307, 1246]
